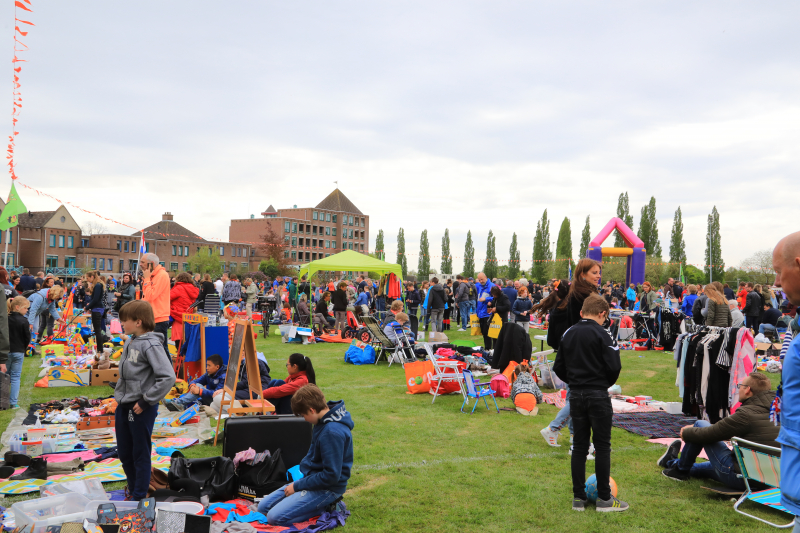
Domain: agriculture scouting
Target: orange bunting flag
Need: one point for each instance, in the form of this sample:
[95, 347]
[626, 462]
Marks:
[22, 6]
[23, 33]
[25, 22]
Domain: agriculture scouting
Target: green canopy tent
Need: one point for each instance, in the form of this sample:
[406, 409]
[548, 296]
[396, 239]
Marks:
[350, 261]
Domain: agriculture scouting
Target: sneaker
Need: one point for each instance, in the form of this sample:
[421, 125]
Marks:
[461, 329]
[589, 456]
[551, 437]
[673, 451]
[578, 504]
[675, 474]
[613, 505]
[523, 412]
[172, 406]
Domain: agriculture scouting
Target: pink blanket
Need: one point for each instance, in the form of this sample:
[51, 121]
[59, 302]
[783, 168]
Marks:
[63, 457]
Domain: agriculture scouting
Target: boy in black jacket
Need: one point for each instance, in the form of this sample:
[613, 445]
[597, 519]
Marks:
[588, 361]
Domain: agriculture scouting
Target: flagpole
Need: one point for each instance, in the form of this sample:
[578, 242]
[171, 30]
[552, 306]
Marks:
[5, 252]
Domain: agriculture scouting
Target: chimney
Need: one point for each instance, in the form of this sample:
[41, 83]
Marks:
[166, 216]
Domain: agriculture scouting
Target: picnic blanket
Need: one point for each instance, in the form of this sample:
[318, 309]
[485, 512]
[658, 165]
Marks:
[655, 425]
[104, 471]
[554, 398]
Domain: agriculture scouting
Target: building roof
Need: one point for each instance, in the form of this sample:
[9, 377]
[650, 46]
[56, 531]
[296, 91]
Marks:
[35, 219]
[169, 230]
[337, 201]
[270, 209]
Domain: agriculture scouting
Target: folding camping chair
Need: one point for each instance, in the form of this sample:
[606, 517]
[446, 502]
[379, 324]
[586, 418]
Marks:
[384, 344]
[477, 391]
[444, 371]
[762, 464]
[543, 363]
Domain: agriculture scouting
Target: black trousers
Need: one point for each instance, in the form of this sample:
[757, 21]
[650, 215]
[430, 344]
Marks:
[134, 445]
[99, 330]
[591, 414]
[163, 328]
[488, 342]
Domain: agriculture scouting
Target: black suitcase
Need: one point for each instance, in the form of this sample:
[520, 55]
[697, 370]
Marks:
[292, 434]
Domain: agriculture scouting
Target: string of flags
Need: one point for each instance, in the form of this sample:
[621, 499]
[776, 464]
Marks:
[16, 97]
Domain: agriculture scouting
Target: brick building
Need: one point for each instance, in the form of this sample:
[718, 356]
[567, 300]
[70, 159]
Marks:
[44, 240]
[310, 233]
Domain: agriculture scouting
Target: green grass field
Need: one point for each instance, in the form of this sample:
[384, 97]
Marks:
[429, 467]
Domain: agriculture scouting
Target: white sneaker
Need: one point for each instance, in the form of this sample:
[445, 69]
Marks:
[551, 437]
[461, 329]
[589, 456]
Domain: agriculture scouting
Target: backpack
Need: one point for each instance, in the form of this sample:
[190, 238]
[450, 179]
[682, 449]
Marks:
[471, 291]
[499, 384]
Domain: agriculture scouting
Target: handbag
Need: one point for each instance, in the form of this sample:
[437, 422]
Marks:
[263, 478]
[495, 326]
[418, 376]
[474, 324]
[216, 476]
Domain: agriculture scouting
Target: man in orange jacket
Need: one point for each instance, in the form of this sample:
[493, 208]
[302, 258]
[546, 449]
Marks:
[156, 291]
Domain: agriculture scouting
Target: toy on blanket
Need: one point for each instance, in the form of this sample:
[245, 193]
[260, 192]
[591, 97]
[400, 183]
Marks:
[181, 387]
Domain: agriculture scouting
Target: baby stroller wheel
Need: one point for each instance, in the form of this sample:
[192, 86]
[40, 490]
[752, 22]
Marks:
[364, 335]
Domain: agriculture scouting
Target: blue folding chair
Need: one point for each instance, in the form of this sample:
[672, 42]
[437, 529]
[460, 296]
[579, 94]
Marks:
[477, 391]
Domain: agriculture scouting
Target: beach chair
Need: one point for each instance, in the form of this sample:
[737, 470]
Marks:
[762, 464]
[477, 391]
[441, 375]
[384, 344]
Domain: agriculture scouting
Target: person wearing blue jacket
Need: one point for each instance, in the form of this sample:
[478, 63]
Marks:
[42, 302]
[688, 301]
[630, 294]
[786, 263]
[202, 388]
[325, 468]
[483, 288]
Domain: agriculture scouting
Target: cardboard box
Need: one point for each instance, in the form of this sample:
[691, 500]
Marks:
[65, 377]
[104, 377]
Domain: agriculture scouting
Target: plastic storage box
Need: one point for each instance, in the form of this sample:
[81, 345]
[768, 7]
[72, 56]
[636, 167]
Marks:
[177, 507]
[91, 488]
[49, 441]
[35, 516]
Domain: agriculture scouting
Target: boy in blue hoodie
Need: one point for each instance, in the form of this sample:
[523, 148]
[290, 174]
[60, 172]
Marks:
[202, 388]
[326, 466]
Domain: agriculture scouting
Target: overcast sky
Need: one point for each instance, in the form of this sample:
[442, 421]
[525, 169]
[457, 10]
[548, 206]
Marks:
[467, 115]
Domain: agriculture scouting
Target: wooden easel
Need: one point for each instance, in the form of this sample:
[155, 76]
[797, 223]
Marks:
[193, 318]
[243, 341]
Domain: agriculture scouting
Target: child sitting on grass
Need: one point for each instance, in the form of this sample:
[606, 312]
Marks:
[326, 467]
[588, 361]
[202, 388]
[525, 392]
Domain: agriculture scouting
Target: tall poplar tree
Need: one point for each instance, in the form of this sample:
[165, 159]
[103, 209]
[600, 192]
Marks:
[490, 265]
[513, 258]
[624, 214]
[469, 257]
[714, 262]
[424, 263]
[447, 259]
[402, 260]
[648, 229]
[381, 253]
[677, 246]
[586, 238]
[541, 250]
[563, 250]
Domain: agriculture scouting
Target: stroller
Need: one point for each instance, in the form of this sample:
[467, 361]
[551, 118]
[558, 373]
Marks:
[644, 333]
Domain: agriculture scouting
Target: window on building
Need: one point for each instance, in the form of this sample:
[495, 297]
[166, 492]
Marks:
[314, 230]
[315, 216]
[221, 250]
[294, 256]
[162, 263]
[174, 250]
[327, 217]
[333, 244]
[286, 227]
[245, 266]
[121, 265]
[51, 261]
[333, 232]
[286, 253]
[119, 245]
[327, 244]
[94, 263]
[286, 239]
[186, 251]
[180, 251]
[146, 247]
[327, 255]
[334, 218]
[327, 230]
[126, 246]
[252, 252]
[356, 221]
[52, 241]
[186, 267]
[294, 241]
[102, 263]
[294, 227]
[173, 267]
[133, 265]
[10, 259]
[351, 220]
[9, 237]
[84, 243]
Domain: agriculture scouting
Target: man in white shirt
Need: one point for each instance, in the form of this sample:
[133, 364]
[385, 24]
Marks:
[218, 285]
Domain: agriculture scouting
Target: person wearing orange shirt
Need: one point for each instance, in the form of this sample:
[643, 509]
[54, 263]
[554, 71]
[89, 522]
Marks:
[155, 288]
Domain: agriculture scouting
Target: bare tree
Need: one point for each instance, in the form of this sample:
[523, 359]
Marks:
[760, 266]
[93, 227]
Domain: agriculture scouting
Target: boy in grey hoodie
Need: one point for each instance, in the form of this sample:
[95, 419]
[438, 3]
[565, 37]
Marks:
[145, 378]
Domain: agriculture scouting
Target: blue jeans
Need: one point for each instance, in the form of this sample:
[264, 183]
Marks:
[188, 399]
[563, 418]
[15, 360]
[766, 328]
[282, 510]
[719, 465]
[463, 309]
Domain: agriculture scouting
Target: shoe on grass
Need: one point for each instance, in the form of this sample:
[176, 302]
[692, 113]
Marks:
[673, 451]
[589, 456]
[461, 329]
[578, 504]
[613, 505]
[523, 412]
[551, 437]
[675, 474]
